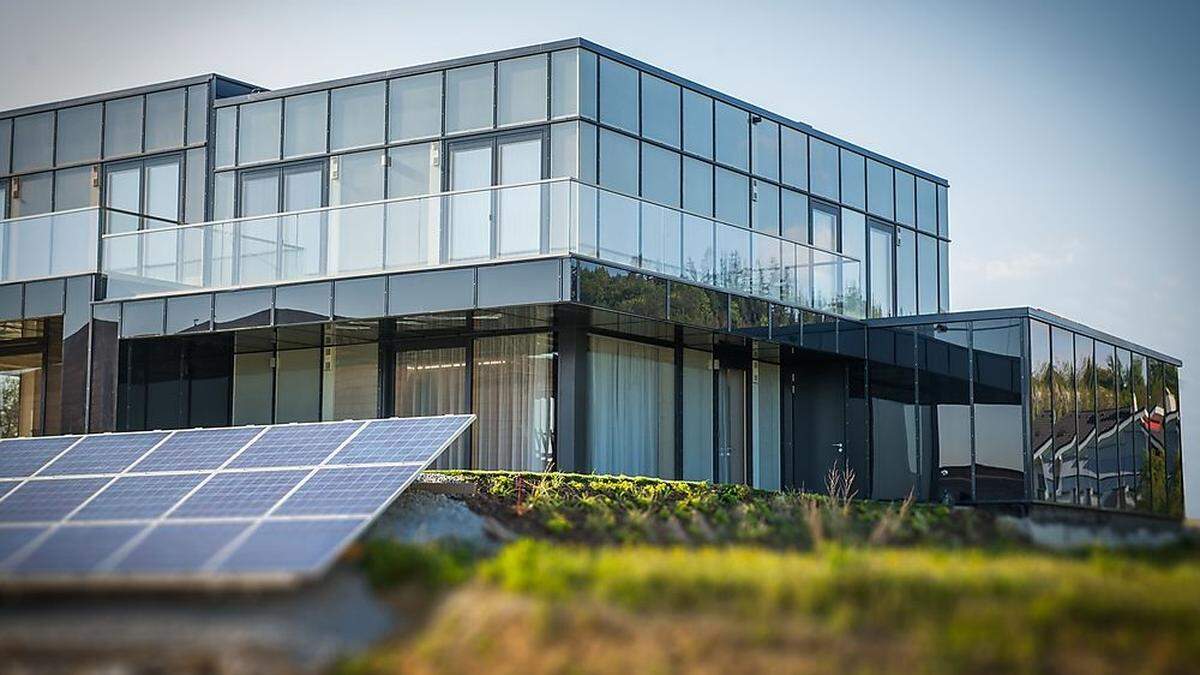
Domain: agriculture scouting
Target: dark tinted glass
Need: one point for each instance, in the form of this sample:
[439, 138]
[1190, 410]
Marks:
[697, 186]
[945, 410]
[33, 142]
[123, 127]
[164, 119]
[733, 136]
[241, 309]
[1174, 442]
[1085, 421]
[926, 206]
[880, 189]
[618, 95]
[303, 303]
[733, 197]
[898, 468]
[697, 123]
[78, 134]
[823, 168]
[766, 149]
[660, 175]
[142, 318]
[854, 182]
[1041, 411]
[999, 417]
[1126, 430]
[35, 195]
[660, 110]
[359, 298]
[1065, 471]
[258, 131]
[189, 314]
[906, 272]
[1108, 461]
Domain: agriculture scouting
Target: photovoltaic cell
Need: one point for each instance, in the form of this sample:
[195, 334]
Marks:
[20, 457]
[179, 547]
[295, 445]
[109, 453]
[76, 550]
[47, 500]
[248, 493]
[291, 546]
[136, 497]
[196, 449]
[349, 491]
[7, 486]
[13, 538]
[401, 440]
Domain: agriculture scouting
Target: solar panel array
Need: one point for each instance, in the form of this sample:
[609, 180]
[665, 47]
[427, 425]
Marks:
[245, 503]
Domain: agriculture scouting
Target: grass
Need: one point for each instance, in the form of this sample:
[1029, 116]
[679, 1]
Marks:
[616, 575]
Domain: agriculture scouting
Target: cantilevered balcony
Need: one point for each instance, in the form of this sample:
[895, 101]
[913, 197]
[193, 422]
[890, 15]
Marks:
[49, 245]
[550, 218]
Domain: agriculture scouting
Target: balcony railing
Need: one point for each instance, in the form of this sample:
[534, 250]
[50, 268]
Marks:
[554, 217]
[49, 245]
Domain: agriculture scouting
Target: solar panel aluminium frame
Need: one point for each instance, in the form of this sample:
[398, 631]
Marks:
[208, 576]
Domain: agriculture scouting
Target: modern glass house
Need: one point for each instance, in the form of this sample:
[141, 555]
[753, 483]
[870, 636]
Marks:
[618, 270]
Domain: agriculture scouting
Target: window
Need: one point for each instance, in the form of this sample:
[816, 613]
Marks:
[356, 116]
[906, 272]
[197, 113]
[78, 134]
[298, 383]
[304, 120]
[252, 388]
[33, 142]
[5, 144]
[164, 119]
[469, 98]
[359, 178]
[588, 161]
[260, 193]
[823, 167]
[943, 276]
[660, 110]
[357, 234]
[697, 415]
[34, 196]
[927, 288]
[162, 191]
[698, 254]
[410, 171]
[258, 132]
[1041, 412]
[767, 261]
[767, 464]
[697, 123]
[697, 186]
[73, 189]
[733, 136]
[733, 197]
[350, 382]
[564, 83]
[618, 162]
[513, 396]
[765, 206]
[943, 213]
[854, 244]
[223, 188]
[906, 207]
[564, 150]
[766, 149]
[926, 206]
[618, 95]
[880, 189]
[660, 175]
[793, 149]
[587, 84]
[1085, 420]
[882, 246]
[196, 176]
[123, 127]
[631, 408]
[433, 382]
[825, 227]
[854, 184]
[522, 95]
[415, 109]
[733, 258]
[795, 216]
[226, 136]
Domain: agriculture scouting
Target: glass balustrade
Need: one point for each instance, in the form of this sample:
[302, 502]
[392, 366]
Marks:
[49, 245]
[547, 218]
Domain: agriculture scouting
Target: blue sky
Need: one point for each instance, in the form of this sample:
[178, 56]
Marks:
[1068, 130]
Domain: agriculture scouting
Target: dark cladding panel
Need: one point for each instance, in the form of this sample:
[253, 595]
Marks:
[303, 303]
[421, 292]
[242, 309]
[189, 314]
[359, 298]
[11, 303]
[820, 331]
[898, 468]
[623, 291]
[698, 306]
[44, 298]
[999, 414]
[519, 283]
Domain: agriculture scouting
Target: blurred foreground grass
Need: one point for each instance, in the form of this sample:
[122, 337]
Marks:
[618, 575]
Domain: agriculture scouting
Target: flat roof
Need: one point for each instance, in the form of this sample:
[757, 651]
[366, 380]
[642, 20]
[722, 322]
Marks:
[121, 93]
[1022, 313]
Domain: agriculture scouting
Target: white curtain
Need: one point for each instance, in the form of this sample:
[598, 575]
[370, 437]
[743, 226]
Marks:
[631, 389]
[513, 392]
[434, 382]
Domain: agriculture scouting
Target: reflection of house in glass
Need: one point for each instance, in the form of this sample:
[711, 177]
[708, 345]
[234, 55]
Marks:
[616, 269]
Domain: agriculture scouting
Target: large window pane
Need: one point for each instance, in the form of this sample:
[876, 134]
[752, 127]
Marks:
[906, 195]
[943, 276]
[767, 464]
[73, 189]
[588, 85]
[733, 136]
[469, 98]
[766, 149]
[195, 187]
[926, 206]
[513, 396]
[945, 407]
[226, 137]
[733, 197]
[767, 261]
[854, 279]
[1065, 472]
[564, 150]
[765, 207]
[733, 258]
[699, 254]
[825, 234]
[999, 420]
[882, 247]
[197, 113]
[258, 132]
[356, 116]
[823, 168]
[1041, 411]
[660, 175]
[123, 127]
[794, 222]
[943, 212]
[880, 189]
[618, 95]
[304, 123]
[415, 110]
[697, 123]
[618, 162]
[298, 381]
[350, 382]
[631, 408]
[697, 186]
[1108, 462]
[162, 190]
[434, 382]
[794, 158]
[360, 179]
[410, 171]
[522, 95]
[697, 415]
[33, 142]
[164, 119]
[906, 272]
[357, 234]
[854, 185]
[5, 144]
[660, 110]
[927, 279]
[564, 83]
[78, 134]
[252, 388]
[1085, 420]
[34, 196]
[899, 467]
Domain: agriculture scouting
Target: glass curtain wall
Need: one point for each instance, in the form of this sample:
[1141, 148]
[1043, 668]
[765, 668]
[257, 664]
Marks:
[999, 426]
[631, 396]
[899, 467]
[433, 381]
[1041, 394]
[697, 415]
[513, 395]
[945, 400]
[766, 461]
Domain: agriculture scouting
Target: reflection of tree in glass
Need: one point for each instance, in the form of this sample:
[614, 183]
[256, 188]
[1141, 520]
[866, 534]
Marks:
[10, 406]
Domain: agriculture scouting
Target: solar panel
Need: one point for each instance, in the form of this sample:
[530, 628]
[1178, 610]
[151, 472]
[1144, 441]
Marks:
[207, 505]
